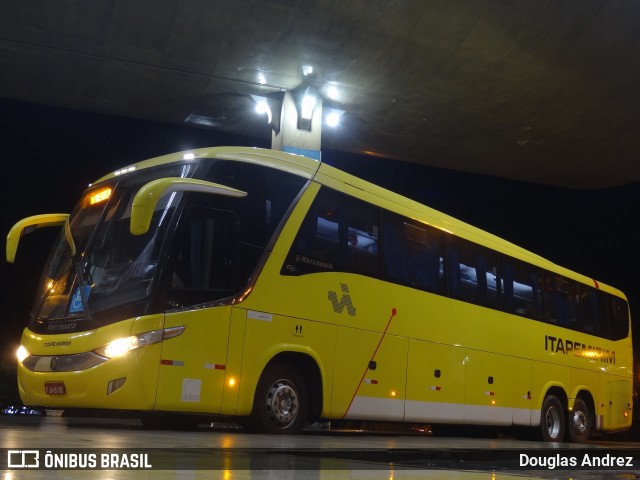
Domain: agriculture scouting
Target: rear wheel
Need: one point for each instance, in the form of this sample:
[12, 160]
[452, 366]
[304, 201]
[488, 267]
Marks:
[552, 423]
[579, 422]
[280, 404]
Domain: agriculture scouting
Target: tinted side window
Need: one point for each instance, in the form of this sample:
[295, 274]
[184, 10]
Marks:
[560, 300]
[339, 233]
[618, 318]
[413, 253]
[592, 311]
[270, 194]
[472, 273]
[522, 288]
[583, 308]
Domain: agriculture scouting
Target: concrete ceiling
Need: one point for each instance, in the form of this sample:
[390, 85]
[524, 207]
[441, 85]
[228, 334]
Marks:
[545, 91]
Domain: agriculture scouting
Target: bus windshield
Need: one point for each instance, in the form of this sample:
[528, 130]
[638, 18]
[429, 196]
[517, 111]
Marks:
[111, 267]
[200, 247]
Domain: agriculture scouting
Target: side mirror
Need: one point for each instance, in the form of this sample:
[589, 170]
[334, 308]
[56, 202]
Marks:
[145, 201]
[30, 224]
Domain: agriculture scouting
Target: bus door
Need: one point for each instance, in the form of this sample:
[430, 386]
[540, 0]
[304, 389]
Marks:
[202, 273]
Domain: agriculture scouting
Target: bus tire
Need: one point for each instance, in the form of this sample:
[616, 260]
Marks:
[552, 422]
[579, 422]
[280, 404]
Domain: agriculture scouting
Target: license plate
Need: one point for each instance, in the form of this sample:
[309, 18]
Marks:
[54, 388]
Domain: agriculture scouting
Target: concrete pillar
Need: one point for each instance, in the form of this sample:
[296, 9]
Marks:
[293, 139]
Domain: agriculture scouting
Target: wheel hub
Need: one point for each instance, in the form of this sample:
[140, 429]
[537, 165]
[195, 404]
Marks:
[580, 422]
[552, 420]
[282, 403]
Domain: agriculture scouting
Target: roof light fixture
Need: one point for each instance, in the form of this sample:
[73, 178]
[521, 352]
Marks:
[262, 107]
[271, 105]
[305, 104]
[308, 104]
[332, 117]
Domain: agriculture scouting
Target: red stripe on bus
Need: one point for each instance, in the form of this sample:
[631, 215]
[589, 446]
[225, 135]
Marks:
[393, 314]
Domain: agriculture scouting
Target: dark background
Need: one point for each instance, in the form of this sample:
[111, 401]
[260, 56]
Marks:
[50, 155]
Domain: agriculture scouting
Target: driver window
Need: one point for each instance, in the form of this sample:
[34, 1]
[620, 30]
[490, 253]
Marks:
[205, 264]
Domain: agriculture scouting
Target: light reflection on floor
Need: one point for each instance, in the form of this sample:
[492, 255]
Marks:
[292, 460]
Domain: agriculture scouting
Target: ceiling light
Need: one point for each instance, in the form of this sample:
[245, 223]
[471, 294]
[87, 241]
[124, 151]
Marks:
[262, 107]
[271, 104]
[332, 92]
[332, 117]
[308, 104]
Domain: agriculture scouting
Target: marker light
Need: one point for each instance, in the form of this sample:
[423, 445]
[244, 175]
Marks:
[189, 156]
[122, 171]
[21, 353]
[232, 382]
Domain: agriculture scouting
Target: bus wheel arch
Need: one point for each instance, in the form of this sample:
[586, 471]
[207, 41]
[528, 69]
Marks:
[553, 416]
[580, 420]
[287, 394]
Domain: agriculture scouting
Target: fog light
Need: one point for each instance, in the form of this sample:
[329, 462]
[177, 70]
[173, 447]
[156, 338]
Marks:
[115, 385]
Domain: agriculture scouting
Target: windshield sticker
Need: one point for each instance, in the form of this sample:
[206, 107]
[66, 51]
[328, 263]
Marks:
[76, 301]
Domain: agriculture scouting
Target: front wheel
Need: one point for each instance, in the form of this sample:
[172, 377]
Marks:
[280, 404]
[552, 422]
[579, 422]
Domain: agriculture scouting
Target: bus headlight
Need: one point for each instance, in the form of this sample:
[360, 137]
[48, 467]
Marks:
[118, 347]
[122, 346]
[22, 353]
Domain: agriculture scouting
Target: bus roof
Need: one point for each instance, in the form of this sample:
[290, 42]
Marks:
[296, 164]
[333, 177]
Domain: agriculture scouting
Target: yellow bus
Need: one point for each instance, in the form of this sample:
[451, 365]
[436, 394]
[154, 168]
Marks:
[278, 290]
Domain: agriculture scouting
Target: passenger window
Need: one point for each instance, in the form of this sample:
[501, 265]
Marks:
[561, 300]
[522, 288]
[592, 311]
[413, 253]
[618, 318]
[363, 231]
[472, 273]
[340, 233]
